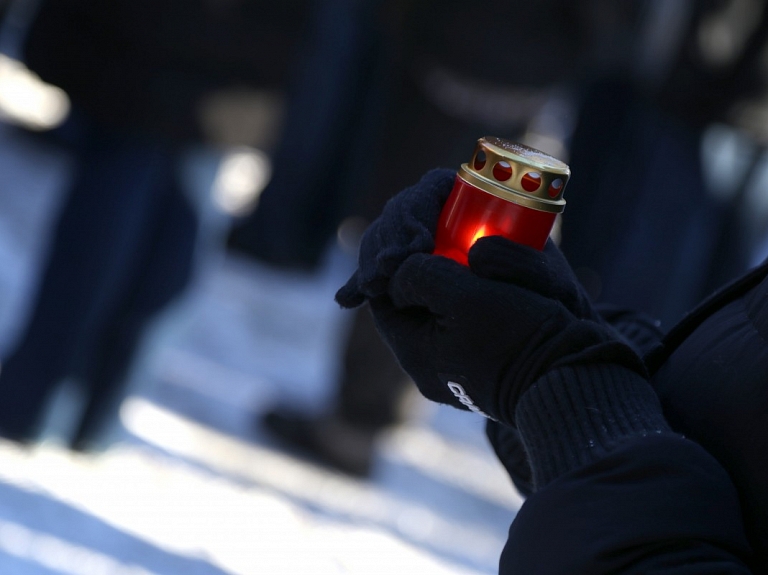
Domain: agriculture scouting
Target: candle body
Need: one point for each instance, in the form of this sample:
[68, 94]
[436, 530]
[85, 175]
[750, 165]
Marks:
[471, 213]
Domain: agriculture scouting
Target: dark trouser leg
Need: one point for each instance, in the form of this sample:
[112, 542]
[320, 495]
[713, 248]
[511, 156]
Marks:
[163, 276]
[367, 402]
[373, 382]
[95, 251]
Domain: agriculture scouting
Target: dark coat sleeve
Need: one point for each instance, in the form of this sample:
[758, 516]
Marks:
[637, 329]
[656, 504]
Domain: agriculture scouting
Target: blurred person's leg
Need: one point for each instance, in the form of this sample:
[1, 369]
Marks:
[373, 382]
[94, 255]
[324, 163]
[164, 274]
[328, 117]
[628, 154]
[367, 402]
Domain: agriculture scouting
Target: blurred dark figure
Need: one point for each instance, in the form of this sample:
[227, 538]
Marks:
[138, 74]
[639, 135]
[121, 250]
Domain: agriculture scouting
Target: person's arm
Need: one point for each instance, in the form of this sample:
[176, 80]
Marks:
[615, 490]
[513, 337]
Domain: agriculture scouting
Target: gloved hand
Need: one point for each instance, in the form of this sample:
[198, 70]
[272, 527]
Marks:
[478, 337]
[406, 226]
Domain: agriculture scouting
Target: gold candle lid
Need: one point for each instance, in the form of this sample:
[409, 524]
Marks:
[518, 174]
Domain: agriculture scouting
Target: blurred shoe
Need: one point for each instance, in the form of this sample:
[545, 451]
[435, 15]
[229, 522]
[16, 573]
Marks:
[326, 440]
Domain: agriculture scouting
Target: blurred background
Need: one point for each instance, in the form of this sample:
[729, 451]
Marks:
[182, 189]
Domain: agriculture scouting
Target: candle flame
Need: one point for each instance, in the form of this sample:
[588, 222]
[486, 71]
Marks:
[481, 232]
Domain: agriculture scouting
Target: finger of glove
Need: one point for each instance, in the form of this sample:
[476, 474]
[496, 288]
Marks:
[349, 295]
[395, 324]
[547, 272]
[433, 282]
[497, 258]
[574, 296]
[406, 226]
[406, 332]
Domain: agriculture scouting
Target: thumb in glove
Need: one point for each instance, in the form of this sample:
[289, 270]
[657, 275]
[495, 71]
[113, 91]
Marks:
[545, 272]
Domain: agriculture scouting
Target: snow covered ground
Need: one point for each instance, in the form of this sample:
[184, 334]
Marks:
[186, 482]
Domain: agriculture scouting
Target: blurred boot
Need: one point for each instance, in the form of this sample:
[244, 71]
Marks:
[368, 401]
[327, 440]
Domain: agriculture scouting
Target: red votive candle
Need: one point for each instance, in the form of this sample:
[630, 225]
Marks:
[509, 190]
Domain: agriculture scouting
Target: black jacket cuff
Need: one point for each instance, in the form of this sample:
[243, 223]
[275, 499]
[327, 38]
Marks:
[574, 415]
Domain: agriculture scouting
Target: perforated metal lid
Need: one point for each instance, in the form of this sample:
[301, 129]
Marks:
[517, 173]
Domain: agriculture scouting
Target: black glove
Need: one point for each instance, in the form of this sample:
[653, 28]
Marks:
[406, 226]
[478, 337]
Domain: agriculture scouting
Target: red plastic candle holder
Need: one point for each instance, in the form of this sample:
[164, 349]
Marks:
[509, 190]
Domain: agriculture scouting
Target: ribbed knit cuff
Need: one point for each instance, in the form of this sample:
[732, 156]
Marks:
[574, 415]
